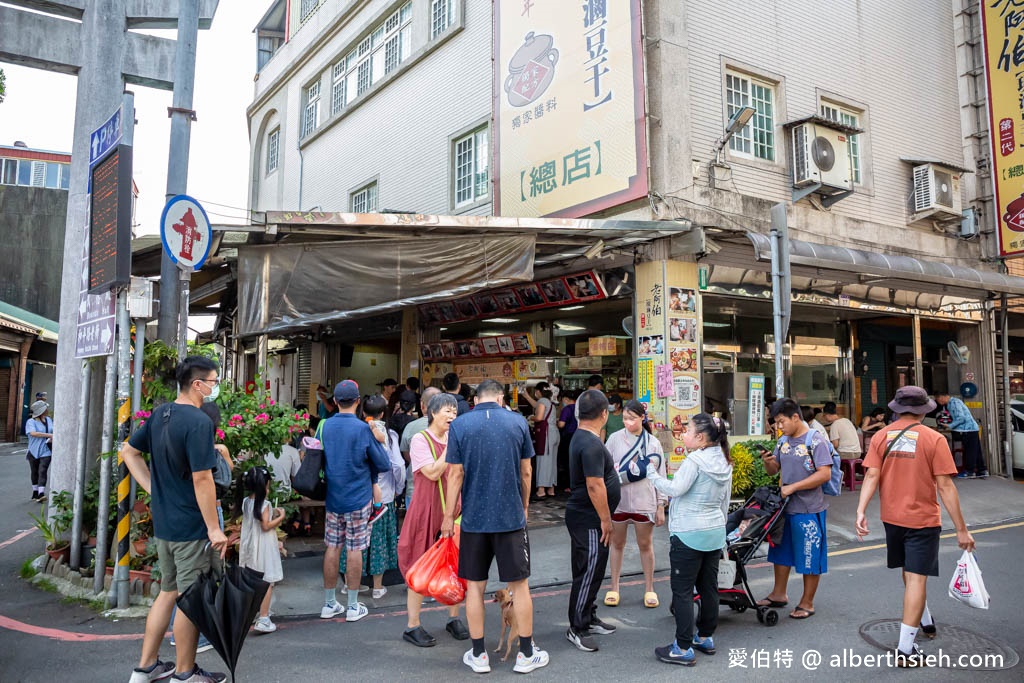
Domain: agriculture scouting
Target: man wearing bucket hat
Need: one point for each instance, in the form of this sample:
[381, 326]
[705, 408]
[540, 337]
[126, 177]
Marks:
[907, 462]
[40, 441]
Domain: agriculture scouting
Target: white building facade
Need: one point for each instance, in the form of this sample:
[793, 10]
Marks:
[379, 106]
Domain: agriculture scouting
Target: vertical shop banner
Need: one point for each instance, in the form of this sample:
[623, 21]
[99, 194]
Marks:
[755, 410]
[649, 321]
[668, 333]
[1003, 45]
[685, 334]
[569, 122]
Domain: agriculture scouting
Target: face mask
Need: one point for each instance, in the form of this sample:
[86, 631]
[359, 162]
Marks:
[214, 393]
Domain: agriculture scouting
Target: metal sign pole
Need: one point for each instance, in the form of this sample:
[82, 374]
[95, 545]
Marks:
[106, 460]
[184, 277]
[81, 467]
[780, 292]
[120, 586]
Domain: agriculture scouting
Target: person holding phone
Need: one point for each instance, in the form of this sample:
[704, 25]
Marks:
[803, 460]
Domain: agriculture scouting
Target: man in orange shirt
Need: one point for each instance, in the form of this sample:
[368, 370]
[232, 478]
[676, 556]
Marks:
[906, 462]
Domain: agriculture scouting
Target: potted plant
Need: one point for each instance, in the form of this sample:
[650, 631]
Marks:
[53, 533]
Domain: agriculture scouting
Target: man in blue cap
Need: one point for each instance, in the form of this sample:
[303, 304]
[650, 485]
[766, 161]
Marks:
[353, 456]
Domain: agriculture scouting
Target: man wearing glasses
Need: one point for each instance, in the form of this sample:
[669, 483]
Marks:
[179, 438]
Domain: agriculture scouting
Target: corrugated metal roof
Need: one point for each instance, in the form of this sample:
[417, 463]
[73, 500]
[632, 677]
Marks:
[46, 329]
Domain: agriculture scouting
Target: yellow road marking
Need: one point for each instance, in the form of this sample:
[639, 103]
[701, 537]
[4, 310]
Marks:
[861, 549]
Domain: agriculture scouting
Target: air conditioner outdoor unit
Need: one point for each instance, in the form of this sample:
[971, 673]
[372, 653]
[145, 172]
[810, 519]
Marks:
[821, 155]
[937, 190]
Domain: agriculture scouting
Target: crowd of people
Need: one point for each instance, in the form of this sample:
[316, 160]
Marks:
[469, 470]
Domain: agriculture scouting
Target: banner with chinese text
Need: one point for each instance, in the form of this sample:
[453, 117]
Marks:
[1003, 33]
[569, 134]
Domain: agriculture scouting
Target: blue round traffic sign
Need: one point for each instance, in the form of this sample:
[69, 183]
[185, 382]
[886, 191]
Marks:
[185, 232]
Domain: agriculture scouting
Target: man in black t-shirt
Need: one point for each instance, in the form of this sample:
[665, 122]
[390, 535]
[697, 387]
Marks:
[594, 485]
[179, 438]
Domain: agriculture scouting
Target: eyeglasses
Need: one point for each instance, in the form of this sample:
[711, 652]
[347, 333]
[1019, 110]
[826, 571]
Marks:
[215, 382]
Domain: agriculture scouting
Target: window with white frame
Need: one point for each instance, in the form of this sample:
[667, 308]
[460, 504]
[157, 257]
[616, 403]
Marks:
[29, 173]
[372, 59]
[442, 16]
[311, 112]
[364, 200]
[273, 147]
[848, 117]
[757, 139]
[471, 172]
[307, 7]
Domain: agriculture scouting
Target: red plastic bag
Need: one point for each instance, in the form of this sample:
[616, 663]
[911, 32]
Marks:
[436, 573]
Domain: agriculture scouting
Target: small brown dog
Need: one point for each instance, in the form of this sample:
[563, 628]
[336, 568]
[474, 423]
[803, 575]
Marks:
[503, 597]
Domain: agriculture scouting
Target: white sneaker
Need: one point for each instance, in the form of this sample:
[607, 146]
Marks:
[158, 672]
[331, 610]
[379, 593]
[356, 613]
[525, 665]
[480, 665]
[265, 625]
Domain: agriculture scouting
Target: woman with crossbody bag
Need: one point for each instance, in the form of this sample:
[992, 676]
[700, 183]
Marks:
[641, 504]
[423, 519]
[40, 441]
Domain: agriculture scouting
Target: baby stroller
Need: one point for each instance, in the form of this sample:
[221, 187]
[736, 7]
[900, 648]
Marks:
[760, 518]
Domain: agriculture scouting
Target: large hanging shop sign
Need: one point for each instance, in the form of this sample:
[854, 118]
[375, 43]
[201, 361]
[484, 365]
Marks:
[570, 136]
[560, 291]
[668, 338]
[1003, 32]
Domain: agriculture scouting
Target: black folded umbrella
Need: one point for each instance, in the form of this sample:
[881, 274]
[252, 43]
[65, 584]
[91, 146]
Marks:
[223, 607]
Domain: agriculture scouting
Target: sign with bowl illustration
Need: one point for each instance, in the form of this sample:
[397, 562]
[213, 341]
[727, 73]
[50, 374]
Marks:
[569, 135]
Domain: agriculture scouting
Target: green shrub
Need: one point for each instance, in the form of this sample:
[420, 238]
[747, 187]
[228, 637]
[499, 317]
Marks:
[748, 471]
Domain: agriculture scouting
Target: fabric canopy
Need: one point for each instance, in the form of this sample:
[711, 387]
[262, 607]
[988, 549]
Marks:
[286, 288]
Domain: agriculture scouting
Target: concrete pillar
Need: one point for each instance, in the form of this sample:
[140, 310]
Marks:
[408, 359]
[100, 84]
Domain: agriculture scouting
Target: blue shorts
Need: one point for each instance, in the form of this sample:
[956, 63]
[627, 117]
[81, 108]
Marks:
[804, 545]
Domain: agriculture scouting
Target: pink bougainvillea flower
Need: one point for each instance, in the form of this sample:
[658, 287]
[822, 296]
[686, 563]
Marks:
[272, 402]
[220, 434]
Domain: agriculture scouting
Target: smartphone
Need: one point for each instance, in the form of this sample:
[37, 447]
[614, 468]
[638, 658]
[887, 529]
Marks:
[765, 453]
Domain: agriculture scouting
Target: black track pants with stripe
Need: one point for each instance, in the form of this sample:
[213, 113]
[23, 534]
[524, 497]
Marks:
[589, 559]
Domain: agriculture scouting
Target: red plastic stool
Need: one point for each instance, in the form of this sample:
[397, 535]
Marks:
[849, 467]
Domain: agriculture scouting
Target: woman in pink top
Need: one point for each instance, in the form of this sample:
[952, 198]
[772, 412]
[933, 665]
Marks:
[423, 519]
[640, 504]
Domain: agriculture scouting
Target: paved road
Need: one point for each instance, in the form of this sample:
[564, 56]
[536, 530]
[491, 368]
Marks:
[43, 639]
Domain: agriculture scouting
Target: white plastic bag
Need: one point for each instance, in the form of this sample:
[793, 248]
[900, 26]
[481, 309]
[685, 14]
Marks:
[967, 585]
[726, 573]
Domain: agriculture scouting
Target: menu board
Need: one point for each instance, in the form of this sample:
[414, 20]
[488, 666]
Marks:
[110, 222]
[506, 345]
[561, 291]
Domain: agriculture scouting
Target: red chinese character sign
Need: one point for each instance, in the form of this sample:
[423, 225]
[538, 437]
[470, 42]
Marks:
[185, 232]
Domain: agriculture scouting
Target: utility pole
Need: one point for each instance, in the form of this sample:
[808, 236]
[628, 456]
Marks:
[172, 326]
[781, 302]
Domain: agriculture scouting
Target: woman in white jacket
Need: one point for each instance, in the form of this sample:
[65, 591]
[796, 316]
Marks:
[699, 503]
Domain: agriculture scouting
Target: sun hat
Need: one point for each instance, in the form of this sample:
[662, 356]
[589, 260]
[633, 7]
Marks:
[38, 408]
[911, 399]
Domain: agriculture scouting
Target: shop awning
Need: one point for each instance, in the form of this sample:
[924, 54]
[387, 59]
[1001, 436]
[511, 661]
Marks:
[342, 266]
[811, 259]
[27, 322]
[289, 287]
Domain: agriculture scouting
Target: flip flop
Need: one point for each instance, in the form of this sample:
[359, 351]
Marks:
[651, 600]
[768, 602]
[807, 613]
[611, 599]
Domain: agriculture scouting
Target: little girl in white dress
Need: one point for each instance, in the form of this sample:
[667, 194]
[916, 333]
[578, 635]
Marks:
[258, 549]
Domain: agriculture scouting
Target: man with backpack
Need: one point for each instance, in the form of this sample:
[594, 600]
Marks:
[804, 459]
[907, 462]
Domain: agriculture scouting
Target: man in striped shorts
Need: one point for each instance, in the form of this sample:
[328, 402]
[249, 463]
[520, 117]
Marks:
[594, 484]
